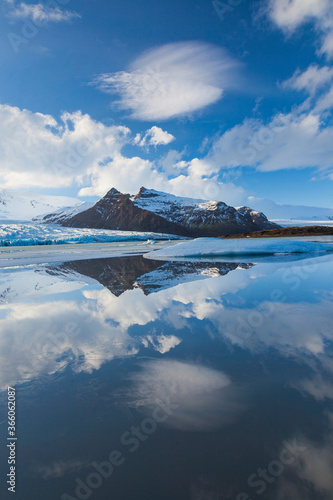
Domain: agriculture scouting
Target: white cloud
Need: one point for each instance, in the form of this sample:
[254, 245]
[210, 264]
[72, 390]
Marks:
[301, 138]
[155, 136]
[129, 174]
[298, 139]
[38, 151]
[173, 80]
[125, 174]
[290, 14]
[41, 13]
[311, 79]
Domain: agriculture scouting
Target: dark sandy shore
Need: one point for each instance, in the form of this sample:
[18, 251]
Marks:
[285, 232]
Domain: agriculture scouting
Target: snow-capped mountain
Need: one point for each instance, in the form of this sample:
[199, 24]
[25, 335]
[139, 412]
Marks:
[117, 211]
[63, 214]
[155, 211]
[25, 205]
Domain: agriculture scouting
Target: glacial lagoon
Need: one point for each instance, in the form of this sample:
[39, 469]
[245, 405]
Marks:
[182, 379]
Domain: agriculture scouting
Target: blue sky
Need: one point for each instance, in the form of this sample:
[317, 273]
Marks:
[225, 100]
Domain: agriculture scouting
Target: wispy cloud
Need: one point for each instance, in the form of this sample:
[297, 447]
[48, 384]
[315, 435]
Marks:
[172, 80]
[310, 80]
[41, 13]
[204, 397]
[58, 469]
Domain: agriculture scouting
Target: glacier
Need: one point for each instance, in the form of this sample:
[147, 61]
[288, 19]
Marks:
[27, 234]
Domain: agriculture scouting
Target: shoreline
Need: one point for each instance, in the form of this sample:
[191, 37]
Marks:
[283, 232]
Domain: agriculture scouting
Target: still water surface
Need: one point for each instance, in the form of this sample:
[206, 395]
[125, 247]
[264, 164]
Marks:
[139, 379]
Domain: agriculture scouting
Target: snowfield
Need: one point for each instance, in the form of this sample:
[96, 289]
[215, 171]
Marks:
[39, 234]
[63, 214]
[23, 206]
[215, 247]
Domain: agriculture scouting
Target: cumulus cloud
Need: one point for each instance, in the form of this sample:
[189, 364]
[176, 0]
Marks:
[129, 174]
[41, 13]
[38, 151]
[291, 14]
[155, 136]
[172, 80]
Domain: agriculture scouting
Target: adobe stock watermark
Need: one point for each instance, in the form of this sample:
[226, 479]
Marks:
[30, 28]
[130, 442]
[263, 477]
[224, 8]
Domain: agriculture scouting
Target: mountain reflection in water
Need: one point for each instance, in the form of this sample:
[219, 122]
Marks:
[125, 273]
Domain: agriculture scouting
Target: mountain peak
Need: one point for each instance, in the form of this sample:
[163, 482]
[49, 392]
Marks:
[112, 192]
[145, 193]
